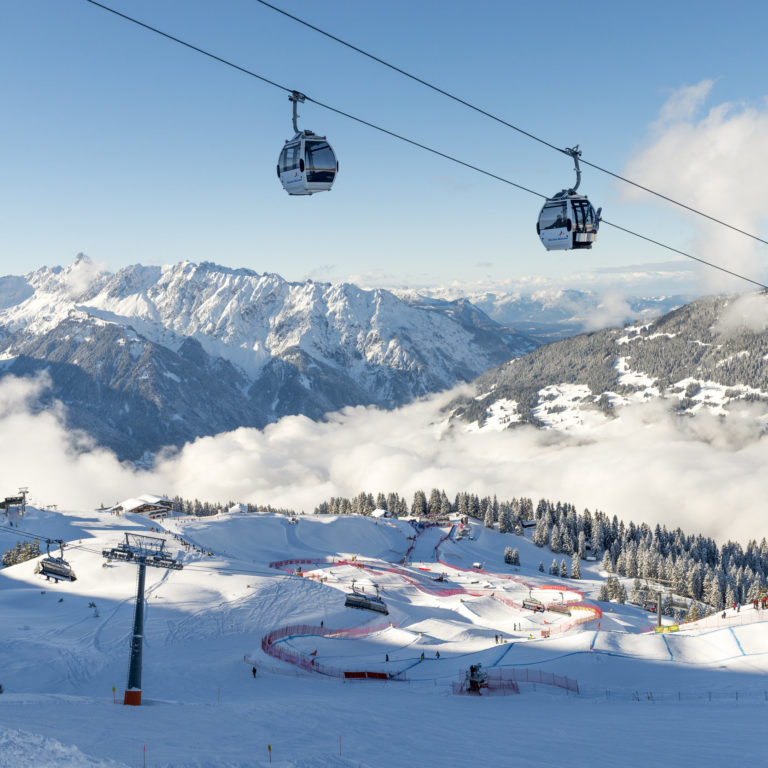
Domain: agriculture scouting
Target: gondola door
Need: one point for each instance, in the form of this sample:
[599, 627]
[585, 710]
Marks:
[555, 224]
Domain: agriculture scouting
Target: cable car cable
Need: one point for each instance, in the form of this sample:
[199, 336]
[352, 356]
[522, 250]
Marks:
[189, 45]
[308, 98]
[484, 112]
[411, 141]
[683, 253]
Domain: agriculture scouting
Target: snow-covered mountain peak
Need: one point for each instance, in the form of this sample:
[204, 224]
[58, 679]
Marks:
[259, 345]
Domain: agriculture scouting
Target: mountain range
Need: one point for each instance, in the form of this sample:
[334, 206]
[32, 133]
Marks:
[152, 357]
[155, 356]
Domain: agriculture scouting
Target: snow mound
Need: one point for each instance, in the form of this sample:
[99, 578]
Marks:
[22, 748]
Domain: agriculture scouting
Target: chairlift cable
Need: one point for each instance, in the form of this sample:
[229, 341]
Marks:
[28, 534]
[412, 141]
[517, 128]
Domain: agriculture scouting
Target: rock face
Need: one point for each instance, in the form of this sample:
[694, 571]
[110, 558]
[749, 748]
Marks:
[157, 356]
[708, 355]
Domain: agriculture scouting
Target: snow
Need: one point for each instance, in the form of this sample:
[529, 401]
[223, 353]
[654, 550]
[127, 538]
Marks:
[59, 660]
[249, 318]
[562, 406]
[500, 415]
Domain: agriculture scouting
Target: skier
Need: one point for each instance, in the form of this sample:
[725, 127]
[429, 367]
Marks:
[386, 657]
[437, 654]
[253, 669]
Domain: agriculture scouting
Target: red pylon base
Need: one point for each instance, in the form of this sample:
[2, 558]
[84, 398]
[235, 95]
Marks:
[132, 698]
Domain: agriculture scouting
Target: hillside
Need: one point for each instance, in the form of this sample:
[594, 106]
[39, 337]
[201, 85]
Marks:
[204, 627]
[708, 356]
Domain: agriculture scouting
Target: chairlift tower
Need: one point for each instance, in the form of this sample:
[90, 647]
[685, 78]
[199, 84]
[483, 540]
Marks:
[659, 596]
[144, 551]
[23, 493]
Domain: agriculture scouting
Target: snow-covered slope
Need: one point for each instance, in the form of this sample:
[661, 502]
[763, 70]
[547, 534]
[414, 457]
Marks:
[61, 656]
[161, 355]
[709, 356]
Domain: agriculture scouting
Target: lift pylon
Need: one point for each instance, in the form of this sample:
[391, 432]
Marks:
[142, 550]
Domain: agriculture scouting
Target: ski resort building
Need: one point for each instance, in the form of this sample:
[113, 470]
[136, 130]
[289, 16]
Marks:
[154, 507]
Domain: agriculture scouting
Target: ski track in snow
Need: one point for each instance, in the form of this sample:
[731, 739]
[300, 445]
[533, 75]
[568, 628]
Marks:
[202, 708]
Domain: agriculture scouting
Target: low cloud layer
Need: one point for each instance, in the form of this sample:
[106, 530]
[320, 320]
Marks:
[715, 160]
[700, 473]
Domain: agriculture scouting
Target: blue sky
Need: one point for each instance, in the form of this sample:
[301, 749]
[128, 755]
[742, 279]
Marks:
[131, 148]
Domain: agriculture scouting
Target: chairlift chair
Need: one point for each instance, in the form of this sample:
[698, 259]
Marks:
[56, 568]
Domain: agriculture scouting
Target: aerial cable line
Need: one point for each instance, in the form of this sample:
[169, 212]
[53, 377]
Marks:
[517, 128]
[409, 141]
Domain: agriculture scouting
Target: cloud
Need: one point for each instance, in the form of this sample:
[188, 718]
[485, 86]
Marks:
[745, 313]
[716, 163]
[683, 103]
[612, 310]
[79, 275]
[700, 473]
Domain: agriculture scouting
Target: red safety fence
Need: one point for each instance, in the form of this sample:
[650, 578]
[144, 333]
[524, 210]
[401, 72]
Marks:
[301, 561]
[506, 679]
[593, 614]
[716, 620]
[507, 601]
[506, 688]
[309, 662]
[366, 676]
[445, 538]
[560, 588]
[524, 675]
[373, 568]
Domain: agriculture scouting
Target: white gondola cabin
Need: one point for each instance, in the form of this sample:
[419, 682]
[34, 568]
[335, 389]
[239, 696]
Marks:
[568, 220]
[307, 163]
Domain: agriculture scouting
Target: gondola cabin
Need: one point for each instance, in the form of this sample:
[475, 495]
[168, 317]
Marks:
[307, 164]
[56, 568]
[567, 221]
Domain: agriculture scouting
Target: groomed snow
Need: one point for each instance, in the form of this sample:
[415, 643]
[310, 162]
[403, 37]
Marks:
[60, 657]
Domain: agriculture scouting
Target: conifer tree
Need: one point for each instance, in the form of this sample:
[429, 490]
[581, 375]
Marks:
[419, 507]
[554, 539]
[693, 612]
[434, 503]
[575, 567]
[563, 569]
[505, 519]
